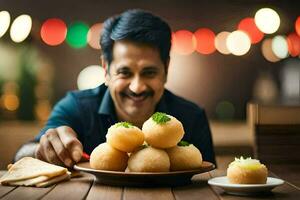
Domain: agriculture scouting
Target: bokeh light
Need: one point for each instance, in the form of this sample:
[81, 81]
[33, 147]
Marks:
[77, 34]
[238, 43]
[91, 77]
[183, 42]
[10, 102]
[53, 31]
[42, 110]
[225, 110]
[293, 41]
[4, 22]
[279, 46]
[20, 28]
[248, 25]
[290, 77]
[93, 36]
[267, 20]
[297, 26]
[220, 42]
[267, 51]
[265, 89]
[205, 41]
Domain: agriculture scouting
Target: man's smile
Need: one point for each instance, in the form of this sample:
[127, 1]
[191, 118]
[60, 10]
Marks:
[137, 98]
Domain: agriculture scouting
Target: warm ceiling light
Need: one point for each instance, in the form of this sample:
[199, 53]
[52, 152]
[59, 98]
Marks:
[4, 22]
[183, 42]
[238, 43]
[91, 77]
[53, 31]
[248, 25]
[267, 51]
[205, 41]
[293, 41]
[20, 28]
[297, 26]
[220, 42]
[280, 46]
[267, 20]
[93, 36]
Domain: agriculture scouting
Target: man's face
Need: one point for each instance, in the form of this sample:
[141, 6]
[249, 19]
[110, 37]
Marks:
[135, 79]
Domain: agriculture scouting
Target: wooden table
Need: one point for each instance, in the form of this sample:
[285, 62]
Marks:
[86, 187]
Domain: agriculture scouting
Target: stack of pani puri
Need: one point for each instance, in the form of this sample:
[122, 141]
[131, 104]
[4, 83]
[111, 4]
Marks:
[162, 150]
[121, 139]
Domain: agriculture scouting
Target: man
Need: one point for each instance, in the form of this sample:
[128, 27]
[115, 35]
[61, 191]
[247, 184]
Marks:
[135, 54]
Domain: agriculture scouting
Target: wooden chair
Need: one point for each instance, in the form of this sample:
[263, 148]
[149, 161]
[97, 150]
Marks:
[276, 131]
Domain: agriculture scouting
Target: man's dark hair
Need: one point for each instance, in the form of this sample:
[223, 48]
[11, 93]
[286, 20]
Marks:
[138, 26]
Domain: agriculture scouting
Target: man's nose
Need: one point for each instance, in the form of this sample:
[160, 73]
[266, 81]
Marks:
[137, 85]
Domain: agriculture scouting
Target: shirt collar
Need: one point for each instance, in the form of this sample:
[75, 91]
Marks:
[162, 104]
[107, 105]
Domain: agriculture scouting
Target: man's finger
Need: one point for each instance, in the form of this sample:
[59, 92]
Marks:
[48, 152]
[69, 139]
[38, 153]
[59, 148]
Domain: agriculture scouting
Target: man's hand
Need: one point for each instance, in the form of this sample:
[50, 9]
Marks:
[59, 146]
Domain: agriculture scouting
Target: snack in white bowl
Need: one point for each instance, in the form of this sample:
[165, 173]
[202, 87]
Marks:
[247, 171]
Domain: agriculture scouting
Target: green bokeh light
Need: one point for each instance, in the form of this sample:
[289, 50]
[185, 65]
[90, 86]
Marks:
[225, 110]
[77, 34]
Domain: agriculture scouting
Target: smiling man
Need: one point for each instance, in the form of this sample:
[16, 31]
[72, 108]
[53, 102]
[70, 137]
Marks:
[135, 54]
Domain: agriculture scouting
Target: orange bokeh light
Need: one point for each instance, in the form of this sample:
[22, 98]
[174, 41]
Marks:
[53, 31]
[248, 26]
[297, 26]
[293, 41]
[10, 102]
[183, 42]
[205, 41]
[267, 51]
[93, 36]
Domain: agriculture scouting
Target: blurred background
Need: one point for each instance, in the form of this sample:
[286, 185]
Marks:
[48, 48]
[224, 54]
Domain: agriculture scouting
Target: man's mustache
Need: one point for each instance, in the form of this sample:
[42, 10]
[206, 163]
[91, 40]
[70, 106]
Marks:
[145, 93]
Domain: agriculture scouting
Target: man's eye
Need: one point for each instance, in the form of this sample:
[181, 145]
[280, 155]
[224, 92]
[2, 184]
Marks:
[150, 73]
[124, 73]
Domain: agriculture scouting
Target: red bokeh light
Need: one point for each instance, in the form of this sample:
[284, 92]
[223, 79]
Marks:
[248, 25]
[183, 42]
[293, 41]
[205, 41]
[53, 31]
[297, 26]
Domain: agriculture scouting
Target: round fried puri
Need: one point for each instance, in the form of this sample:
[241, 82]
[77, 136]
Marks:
[184, 157]
[247, 171]
[124, 137]
[105, 157]
[162, 131]
[149, 159]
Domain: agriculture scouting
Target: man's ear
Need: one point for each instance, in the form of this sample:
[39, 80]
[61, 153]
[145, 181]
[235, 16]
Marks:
[167, 68]
[104, 64]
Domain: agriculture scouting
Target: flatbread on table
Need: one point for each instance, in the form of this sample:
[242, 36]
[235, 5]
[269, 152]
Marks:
[30, 168]
[41, 181]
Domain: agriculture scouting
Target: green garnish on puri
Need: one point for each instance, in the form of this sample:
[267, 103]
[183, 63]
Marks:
[160, 118]
[183, 143]
[124, 124]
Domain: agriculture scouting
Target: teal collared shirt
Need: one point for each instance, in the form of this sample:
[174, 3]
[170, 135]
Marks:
[91, 112]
